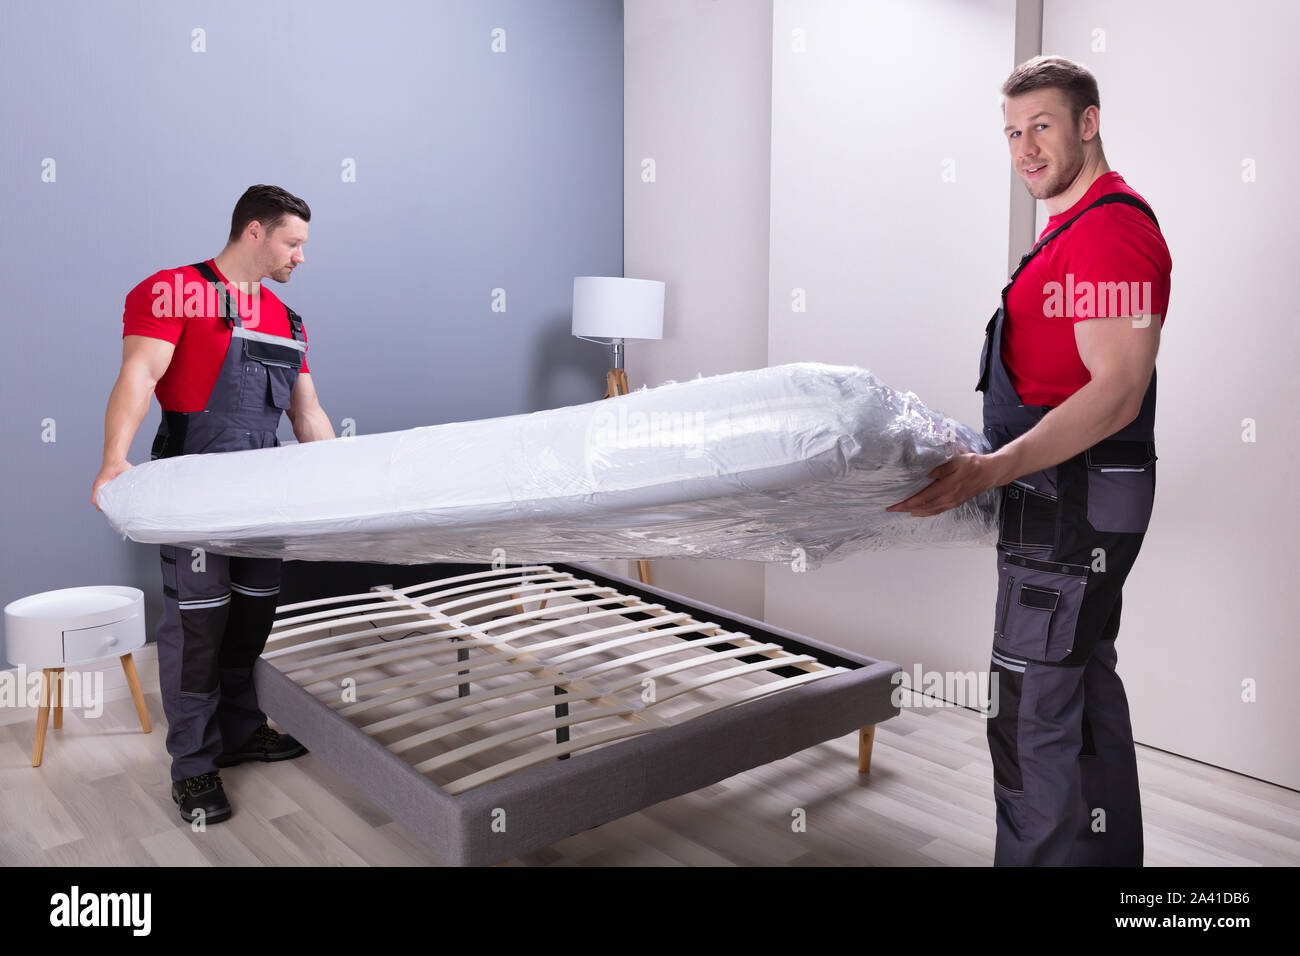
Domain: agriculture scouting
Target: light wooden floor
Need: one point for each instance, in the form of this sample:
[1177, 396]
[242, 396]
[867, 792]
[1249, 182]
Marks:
[102, 798]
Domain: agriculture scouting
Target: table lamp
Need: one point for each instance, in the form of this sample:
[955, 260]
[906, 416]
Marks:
[610, 310]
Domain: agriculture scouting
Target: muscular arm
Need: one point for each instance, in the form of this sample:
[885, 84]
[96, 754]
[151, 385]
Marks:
[1120, 354]
[144, 360]
[309, 421]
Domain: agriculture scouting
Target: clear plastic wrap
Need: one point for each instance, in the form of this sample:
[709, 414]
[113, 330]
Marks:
[789, 463]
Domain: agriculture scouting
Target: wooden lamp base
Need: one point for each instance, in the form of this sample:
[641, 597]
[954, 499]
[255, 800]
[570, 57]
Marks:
[616, 384]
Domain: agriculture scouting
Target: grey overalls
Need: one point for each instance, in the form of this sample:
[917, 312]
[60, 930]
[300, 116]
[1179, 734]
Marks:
[1064, 768]
[217, 614]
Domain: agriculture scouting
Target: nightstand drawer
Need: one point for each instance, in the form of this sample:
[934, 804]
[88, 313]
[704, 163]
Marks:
[74, 625]
[105, 640]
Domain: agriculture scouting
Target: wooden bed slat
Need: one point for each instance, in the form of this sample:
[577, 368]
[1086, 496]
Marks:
[503, 679]
[422, 646]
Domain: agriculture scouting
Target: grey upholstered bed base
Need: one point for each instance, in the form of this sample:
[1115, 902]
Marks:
[533, 808]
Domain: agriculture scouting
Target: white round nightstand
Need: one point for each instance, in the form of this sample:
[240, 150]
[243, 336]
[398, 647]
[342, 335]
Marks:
[75, 626]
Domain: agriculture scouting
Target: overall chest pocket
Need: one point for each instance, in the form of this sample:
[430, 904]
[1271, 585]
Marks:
[268, 375]
[1038, 607]
[1121, 485]
[281, 385]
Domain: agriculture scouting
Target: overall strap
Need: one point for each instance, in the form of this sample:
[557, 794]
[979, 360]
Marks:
[989, 330]
[1105, 200]
[228, 310]
[295, 323]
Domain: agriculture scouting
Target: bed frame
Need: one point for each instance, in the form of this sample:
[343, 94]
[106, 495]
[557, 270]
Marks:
[495, 710]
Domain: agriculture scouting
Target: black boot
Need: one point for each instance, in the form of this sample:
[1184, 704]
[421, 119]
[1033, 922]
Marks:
[264, 744]
[202, 795]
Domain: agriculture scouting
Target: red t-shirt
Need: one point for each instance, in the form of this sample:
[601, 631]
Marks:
[180, 306]
[1111, 263]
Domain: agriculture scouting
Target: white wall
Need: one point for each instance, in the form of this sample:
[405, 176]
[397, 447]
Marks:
[698, 80]
[902, 267]
[1189, 91]
[890, 209]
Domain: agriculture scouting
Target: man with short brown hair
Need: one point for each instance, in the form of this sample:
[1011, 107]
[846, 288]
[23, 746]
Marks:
[225, 358]
[1068, 376]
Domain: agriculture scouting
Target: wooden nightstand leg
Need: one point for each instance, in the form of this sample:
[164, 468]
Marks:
[42, 717]
[57, 694]
[137, 695]
[866, 737]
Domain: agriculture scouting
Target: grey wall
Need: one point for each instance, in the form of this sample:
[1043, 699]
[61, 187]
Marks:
[475, 171]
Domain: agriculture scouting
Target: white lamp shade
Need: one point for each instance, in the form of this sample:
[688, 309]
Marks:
[611, 307]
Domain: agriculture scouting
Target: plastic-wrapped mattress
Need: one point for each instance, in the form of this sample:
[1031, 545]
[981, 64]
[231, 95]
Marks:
[793, 462]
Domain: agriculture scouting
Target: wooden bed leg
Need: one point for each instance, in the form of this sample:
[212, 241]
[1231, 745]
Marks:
[866, 737]
[643, 572]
